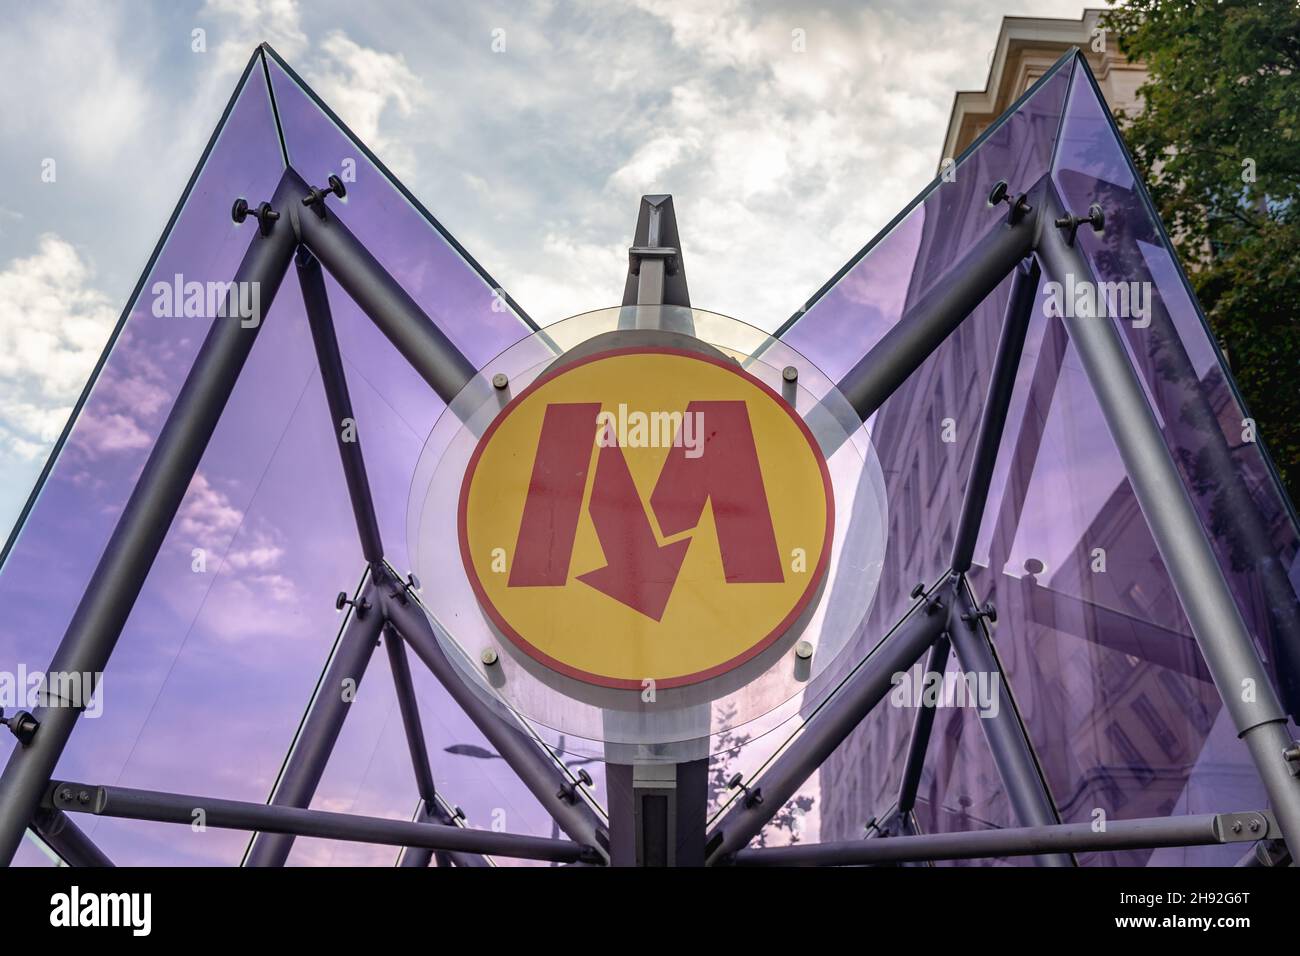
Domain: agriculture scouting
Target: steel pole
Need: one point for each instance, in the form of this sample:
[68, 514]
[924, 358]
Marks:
[1002, 381]
[67, 839]
[1008, 743]
[537, 771]
[320, 728]
[1216, 621]
[826, 729]
[383, 299]
[334, 379]
[417, 857]
[919, 743]
[111, 593]
[415, 742]
[925, 325]
[131, 804]
[1060, 839]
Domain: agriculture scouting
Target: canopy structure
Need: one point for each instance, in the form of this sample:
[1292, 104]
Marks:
[1079, 511]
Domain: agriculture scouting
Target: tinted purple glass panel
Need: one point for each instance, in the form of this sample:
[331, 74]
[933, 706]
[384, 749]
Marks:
[370, 770]
[31, 853]
[924, 434]
[1239, 499]
[440, 278]
[1111, 686]
[63, 535]
[236, 620]
[896, 268]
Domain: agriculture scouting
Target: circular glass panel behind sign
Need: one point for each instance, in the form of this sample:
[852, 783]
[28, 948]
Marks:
[625, 523]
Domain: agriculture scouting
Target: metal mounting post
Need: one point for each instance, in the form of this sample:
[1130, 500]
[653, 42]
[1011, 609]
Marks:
[655, 274]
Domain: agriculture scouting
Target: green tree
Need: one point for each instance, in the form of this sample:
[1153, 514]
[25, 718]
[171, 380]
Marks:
[1217, 142]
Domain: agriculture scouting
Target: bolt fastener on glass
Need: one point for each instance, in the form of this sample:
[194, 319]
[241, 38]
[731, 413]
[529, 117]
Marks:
[1096, 218]
[264, 214]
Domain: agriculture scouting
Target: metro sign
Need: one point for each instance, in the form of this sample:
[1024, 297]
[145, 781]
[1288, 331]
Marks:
[646, 514]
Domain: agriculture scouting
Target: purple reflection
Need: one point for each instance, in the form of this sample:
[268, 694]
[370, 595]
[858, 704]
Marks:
[1109, 683]
[225, 645]
[925, 436]
[1239, 499]
[64, 534]
[901, 264]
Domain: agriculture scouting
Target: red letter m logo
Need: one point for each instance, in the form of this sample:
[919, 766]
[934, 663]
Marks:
[640, 569]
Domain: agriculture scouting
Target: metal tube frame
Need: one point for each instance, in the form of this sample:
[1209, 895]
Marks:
[924, 326]
[346, 433]
[1060, 839]
[1002, 382]
[334, 378]
[320, 728]
[1008, 742]
[68, 840]
[1230, 653]
[1199, 583]
[134, 804]
[383, 299]
[117, 580]
[919, 742]
[827, 728]
[521, 752]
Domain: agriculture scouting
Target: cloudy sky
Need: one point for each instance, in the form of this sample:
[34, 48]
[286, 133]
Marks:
[782, 162]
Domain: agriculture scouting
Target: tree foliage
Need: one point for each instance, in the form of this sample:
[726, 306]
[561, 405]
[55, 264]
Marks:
[1217, 142]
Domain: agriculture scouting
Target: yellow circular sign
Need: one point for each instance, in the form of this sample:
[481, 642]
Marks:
[646, 514]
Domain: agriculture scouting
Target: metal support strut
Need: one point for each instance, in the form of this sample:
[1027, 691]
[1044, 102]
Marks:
[116, 582]
[827, 728]
[1057, 839]
[182, 808]
[1184, 547]
[320, 728]
[1005, 734]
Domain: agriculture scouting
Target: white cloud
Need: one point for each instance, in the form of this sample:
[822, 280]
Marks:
[206, 516]
[361, 85]
[53, 326]
[242, 24]
[249, 556]
[81, 90]
[782, 163]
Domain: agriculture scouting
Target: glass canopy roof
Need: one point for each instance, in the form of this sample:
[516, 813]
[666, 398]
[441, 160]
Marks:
[227, 642]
